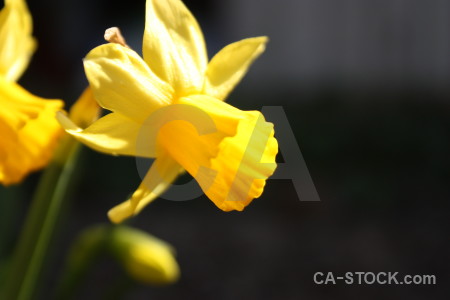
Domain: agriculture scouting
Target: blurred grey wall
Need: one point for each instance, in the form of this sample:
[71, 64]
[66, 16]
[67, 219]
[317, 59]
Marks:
[347, 42]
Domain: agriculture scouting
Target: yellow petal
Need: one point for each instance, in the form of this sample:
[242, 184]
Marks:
[173, 45]
[29, 132]
[122, 82]
[16, 43]
[230, 64]
[160, 176]
[230, 165]
[85, 110]
[112, 134]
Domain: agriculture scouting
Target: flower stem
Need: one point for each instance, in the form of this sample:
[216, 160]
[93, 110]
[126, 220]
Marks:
[9, 208]
[40, 223]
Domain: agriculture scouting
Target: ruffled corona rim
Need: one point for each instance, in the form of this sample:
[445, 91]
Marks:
[231, 164]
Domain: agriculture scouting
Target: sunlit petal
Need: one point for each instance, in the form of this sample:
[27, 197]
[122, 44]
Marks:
[173, 45]
[122, 82]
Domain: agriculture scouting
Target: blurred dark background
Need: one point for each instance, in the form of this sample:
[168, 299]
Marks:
[365, 86]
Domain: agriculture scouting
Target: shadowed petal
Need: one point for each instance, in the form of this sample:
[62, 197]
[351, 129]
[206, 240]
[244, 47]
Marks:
[113, 134]
[85, 110]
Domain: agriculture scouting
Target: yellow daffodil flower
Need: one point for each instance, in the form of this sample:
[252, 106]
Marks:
[170, 105]
[28, 128]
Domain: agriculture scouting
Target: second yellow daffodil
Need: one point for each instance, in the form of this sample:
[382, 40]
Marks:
[174, 89]
[28, 128]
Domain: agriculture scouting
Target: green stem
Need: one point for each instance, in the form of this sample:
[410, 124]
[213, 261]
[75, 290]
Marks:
[40, 223]
[9, 207]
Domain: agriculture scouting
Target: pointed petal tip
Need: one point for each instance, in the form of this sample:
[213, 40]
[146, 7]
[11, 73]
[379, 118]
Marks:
[229, 65]
[160, 176]
[263, 39]
[120, 213]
